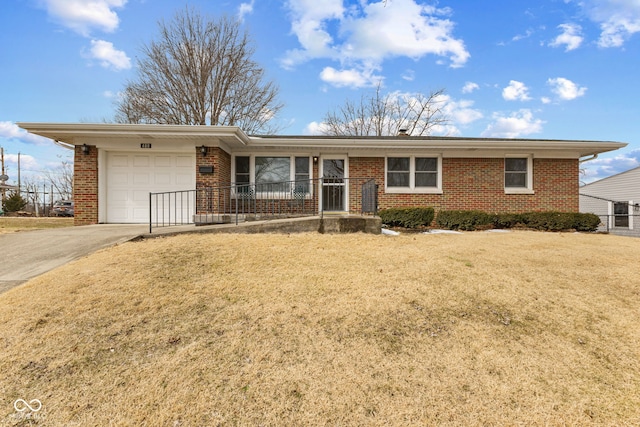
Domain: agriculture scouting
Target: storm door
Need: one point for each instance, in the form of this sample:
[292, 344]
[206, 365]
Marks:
[334, 190]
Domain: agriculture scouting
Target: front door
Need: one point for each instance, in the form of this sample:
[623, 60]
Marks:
[334, 190]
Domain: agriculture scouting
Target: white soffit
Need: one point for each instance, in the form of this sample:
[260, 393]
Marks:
[234, 138]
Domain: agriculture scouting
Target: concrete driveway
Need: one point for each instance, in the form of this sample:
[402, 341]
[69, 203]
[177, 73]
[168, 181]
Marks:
[26, 254]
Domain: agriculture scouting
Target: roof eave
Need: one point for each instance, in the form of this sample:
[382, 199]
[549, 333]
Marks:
[68, 132]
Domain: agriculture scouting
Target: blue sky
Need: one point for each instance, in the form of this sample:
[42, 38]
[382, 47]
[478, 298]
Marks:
[552, 69]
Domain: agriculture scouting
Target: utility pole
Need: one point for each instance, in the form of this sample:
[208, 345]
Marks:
[19, 184]
[2, 190]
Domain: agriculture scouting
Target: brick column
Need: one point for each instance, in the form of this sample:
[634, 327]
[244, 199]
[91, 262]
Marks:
[85, 186]
[221, 177]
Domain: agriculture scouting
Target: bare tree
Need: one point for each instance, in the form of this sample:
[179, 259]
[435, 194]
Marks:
[200, 72]
[61, 180]
[384, 115]
[32, 190]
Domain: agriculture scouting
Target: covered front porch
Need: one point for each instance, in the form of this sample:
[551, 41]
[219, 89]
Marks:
[238, 203]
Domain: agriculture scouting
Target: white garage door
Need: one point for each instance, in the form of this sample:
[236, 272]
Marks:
[132, 176]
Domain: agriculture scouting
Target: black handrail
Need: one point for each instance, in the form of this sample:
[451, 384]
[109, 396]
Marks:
[244, 202]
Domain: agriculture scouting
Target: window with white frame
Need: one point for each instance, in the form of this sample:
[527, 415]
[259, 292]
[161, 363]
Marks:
[413, 174]
[518, 175]
[273, 174]
[621, 214]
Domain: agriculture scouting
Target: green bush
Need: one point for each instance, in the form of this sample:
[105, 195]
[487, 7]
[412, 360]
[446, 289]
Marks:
[558, 221]
[546, 221]
[507, 220]
[14, 202]
[464, 220]
[586, 222]
[407, 217]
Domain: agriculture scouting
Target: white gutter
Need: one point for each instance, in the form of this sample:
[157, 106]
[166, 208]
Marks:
[63, 144]
[595, 156]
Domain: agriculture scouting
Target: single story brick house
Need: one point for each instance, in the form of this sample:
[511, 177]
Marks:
[116, 166]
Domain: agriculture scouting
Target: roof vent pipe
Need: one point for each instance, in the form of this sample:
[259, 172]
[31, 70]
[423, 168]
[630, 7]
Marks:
[402, 132]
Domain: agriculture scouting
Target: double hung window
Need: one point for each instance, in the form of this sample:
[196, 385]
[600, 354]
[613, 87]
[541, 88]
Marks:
[518, 175]
[413, 174]
[621, 214]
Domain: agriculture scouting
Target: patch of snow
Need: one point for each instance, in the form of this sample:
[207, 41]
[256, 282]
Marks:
[497, 230]
[442, 232]
[390, 232]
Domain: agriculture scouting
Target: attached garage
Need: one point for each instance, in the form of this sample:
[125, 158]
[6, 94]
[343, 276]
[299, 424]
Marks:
[116, 166]
[131, 176]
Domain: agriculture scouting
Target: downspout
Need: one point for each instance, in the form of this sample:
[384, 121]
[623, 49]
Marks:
[595, 156]
[582, 171]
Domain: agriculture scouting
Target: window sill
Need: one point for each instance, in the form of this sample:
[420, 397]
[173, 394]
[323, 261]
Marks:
[518, 191]
[407, 190]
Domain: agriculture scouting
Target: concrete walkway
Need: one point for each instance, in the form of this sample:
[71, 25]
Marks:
[26, 254]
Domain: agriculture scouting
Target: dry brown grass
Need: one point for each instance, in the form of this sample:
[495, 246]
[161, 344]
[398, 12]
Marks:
[12, 224]
[478, 329]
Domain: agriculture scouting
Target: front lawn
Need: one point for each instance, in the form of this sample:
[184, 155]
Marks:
[475, 329]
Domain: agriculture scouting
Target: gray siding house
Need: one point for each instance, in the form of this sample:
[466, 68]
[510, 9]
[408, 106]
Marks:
[616, 200]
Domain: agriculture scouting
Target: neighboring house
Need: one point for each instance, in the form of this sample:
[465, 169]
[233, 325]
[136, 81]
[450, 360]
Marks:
[116, 166]
[616, 200]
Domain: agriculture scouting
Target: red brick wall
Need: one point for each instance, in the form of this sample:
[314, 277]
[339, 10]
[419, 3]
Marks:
[479, 184]
[85, 186]
[221, 162]
[221, 177]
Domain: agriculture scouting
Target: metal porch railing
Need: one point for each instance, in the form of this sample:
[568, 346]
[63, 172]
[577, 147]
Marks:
[237, 203]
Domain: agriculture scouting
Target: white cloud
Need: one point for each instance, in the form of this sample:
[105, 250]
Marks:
[109, 56]
[403, 28]
[11, 131]
[470, 87]
[245, 9]
[618, 19]
[409, 75]
[315, 128]
[460, 112]
[516, 91]
[27, 162]
[350, 77]
[565, 89]
[526, 35]
[518, 124]
[364, 35]
[604, 167]
[309, 21]
[571, 37]
[82, 16]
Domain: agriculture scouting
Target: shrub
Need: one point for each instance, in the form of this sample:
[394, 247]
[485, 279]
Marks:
[14, 202]
[586, 222]
[546, 221]
[507, 220]
[558, 221]
[407, 217]
[464, 220]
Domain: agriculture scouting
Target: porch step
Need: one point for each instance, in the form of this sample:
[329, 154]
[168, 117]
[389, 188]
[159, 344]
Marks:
[209, 219]
[328, 224]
